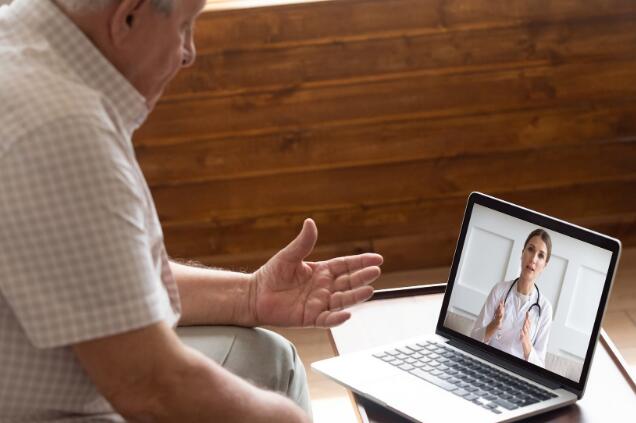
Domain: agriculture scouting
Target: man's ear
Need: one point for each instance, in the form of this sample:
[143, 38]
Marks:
[124, 19]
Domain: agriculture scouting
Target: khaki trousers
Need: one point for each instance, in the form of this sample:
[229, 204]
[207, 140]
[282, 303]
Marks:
[258, 355]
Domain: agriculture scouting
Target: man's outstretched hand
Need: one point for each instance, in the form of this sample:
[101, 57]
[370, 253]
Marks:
[288, 291]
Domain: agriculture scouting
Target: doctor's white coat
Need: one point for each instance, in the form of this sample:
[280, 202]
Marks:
[508, 337]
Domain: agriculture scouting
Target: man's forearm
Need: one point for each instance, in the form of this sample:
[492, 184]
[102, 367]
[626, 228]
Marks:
[212, 296]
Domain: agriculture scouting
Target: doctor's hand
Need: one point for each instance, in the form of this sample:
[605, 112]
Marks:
[496, 322]
[524, 336]
[499, 315]
[288, 291]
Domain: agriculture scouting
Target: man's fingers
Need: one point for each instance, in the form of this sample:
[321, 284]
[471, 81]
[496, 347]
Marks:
[302, 245]
[340, 300]
[329, 319]
[354, 280]
[349, 264]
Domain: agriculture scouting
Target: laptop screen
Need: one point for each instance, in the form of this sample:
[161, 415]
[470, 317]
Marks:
[528, 290]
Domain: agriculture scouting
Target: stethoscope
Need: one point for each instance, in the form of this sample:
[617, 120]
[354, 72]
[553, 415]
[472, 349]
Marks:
[536, 304]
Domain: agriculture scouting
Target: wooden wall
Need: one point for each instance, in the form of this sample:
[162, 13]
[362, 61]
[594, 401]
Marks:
[378, 117]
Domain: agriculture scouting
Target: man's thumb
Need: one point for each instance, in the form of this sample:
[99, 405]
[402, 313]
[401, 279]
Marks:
[303, 244]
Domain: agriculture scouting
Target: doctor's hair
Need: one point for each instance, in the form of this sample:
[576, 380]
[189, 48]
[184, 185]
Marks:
[545, 237]
[78, 6]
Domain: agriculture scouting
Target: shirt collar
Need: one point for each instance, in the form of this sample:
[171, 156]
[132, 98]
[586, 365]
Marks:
[83, 58]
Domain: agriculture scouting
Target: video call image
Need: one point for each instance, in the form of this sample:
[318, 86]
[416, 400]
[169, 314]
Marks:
[529, 291]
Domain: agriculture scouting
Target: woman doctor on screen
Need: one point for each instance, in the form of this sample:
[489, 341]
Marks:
[516, 318]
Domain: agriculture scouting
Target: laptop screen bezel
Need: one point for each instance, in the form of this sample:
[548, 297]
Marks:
[507, 360]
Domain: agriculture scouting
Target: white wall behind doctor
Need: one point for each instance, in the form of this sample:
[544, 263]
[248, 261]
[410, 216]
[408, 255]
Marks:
[572, 281]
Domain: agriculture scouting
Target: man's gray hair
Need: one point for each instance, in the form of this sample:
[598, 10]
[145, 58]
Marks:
[164, 6]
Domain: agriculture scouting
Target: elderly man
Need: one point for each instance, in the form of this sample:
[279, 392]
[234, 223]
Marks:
[88, 298]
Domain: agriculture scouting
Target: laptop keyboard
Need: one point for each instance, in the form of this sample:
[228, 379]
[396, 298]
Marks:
[464, 376]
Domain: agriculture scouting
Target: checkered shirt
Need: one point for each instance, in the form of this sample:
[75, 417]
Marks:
[81, 248]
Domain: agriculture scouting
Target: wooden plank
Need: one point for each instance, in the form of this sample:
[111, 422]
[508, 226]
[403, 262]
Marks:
[435, 217]
[236, 69]
[408, 139]
[216, 5]
[401, 253]
[440, 95]
[365, 186]
[331, 20]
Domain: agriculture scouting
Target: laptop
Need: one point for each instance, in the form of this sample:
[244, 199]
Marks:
[517, 329]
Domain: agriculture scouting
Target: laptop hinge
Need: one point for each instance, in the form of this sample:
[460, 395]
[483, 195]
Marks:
[502, 363]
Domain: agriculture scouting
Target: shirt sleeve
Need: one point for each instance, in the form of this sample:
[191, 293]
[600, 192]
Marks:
[539, 349]
[78, 265]
[485, 315]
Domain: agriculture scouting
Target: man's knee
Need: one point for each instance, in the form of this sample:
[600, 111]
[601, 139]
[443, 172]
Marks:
[261, 356]
[266, 358]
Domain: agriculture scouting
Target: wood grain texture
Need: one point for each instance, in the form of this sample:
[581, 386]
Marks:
[272, 65]
[486, 90]
[290, 25]
[377, 118]
[387, 183]
[388, 140]
[392, 230]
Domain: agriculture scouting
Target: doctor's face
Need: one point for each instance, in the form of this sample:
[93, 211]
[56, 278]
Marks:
[533, 258]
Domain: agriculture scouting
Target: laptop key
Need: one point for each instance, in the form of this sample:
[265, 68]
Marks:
[520, 402]
[436, 372]
[505, 404]
[415, 347]
[406, 367]
[461, 392]
[434, 380]
[471, 397]
[405, 350]
[532, 399]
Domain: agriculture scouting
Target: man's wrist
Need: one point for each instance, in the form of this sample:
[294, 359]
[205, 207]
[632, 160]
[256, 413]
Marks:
[245, 311]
